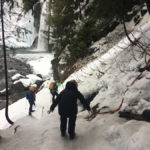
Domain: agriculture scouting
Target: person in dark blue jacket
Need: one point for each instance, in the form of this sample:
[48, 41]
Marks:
[68, 108]
[30, 95]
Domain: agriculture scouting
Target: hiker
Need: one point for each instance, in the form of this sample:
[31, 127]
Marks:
[67, 107]
[30, 96]
[54, 89]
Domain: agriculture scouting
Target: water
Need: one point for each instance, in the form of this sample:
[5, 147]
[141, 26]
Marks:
[27, 51]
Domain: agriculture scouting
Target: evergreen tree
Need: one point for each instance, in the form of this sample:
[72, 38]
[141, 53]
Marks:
[75, 24]
[28, 4]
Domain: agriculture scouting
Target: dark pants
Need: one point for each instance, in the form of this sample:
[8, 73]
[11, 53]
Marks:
[54, 94]
[30, 107]
[71, 124]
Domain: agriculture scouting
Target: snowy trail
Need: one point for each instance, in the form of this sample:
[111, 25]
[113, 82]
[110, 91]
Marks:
[106, 132]
[42, 132]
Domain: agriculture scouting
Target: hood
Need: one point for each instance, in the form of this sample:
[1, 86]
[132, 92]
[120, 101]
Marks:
[71, 86]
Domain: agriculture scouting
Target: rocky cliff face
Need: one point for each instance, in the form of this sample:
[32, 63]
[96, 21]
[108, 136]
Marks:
[14, 66]
[21, 28]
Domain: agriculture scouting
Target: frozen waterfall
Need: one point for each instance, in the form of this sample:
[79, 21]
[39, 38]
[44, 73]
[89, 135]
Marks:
[42, 38]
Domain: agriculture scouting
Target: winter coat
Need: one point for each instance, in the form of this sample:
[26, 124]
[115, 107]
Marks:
[67, 101]
[31, 96]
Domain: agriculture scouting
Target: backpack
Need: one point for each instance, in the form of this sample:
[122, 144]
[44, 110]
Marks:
[53, 86]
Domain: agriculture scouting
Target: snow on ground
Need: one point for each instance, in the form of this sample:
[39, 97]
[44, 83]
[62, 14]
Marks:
[26, 81]
[20, 108]
[112, 73]
[106, 132]
[39, 62]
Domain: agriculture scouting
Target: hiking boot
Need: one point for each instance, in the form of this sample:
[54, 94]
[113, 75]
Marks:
[72, 136]
[63, 134]
[30, 114]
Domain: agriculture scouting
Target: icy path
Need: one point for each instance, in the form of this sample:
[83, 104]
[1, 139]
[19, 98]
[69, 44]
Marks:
[44, 134]
[105, 132]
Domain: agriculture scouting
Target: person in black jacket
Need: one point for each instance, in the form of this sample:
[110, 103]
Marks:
[67, 107]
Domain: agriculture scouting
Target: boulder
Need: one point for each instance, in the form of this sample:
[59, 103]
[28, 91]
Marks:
[39, 75]
[39, 83]
[17, 87]
[17, 77]
[146, 115]
[3, 92]
[17, 91]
